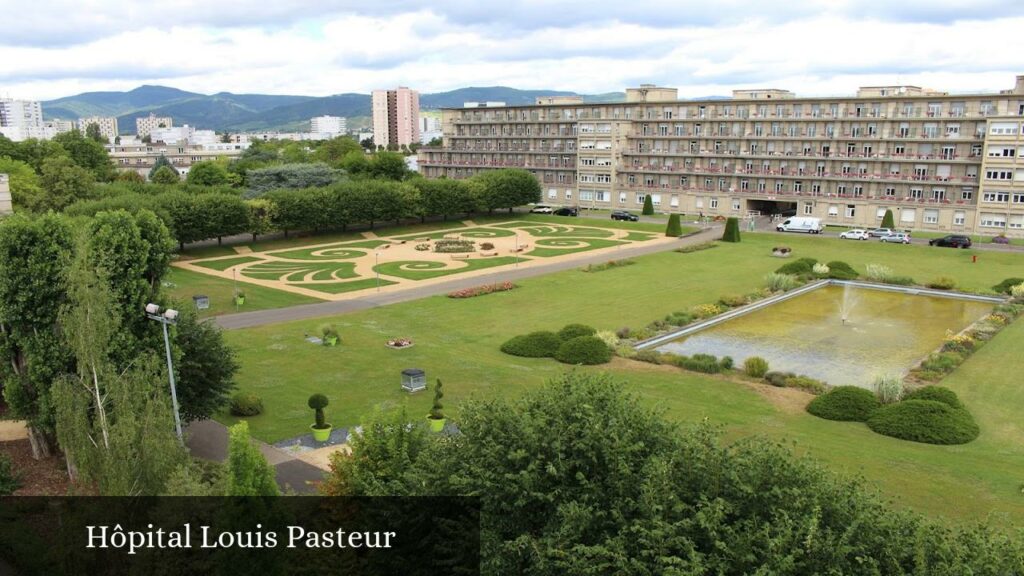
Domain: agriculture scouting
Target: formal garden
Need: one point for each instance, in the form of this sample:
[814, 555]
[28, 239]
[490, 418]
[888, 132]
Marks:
[396, 260]
[460, 339]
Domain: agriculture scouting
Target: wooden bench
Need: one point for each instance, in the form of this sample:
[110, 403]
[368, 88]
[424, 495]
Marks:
[495, 253]
[460, 256]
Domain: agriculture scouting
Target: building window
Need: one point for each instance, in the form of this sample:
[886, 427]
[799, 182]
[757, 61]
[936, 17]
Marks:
[553, 193]
[833, 210]
[931, 216]
[674, 201]
[808, 208]
[656, 199]
[993, 220]
[959, 218]
[851, 210]
[880, 213]
[714, 203]
[622, 197]
[967, 194]
[735, 205]
[640, 198]
[995, 197]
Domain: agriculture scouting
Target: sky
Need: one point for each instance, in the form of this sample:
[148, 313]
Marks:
[60, 48]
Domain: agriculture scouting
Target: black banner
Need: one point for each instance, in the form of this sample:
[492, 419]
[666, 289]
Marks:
[239, 536]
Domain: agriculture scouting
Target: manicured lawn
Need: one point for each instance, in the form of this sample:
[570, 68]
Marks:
[424, 269]
[458, 340]
[300, 271]
[556, 247]
[186, 284]
[350, 286]
[475, 233]
[225, 263]
[333, 252]
[639, 237]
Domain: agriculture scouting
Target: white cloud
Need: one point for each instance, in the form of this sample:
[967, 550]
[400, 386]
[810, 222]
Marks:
[833, 47]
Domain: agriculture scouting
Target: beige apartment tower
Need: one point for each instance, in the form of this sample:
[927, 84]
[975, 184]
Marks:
[107, 126]
[396, 117]
[147, 124]
[941, 162]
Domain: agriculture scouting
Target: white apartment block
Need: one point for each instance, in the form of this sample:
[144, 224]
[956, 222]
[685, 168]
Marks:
[332, 125]
[941, 162]
[5, 195]
[146, 125]
[396, 117]
[21, 119]
[183, 135]
[107, 125]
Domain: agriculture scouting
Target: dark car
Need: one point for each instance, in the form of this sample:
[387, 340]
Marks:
[567, 211]
[623, 215]
[952, 241]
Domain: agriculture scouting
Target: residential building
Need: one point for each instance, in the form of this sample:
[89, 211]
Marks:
[941, 162]
[139, 156]
[107, 125]
[430, 128]
[21, 119]
[5, 195]
[396, 117]
[183, 135]
[57, 126]
[146, 125]
[329, 126]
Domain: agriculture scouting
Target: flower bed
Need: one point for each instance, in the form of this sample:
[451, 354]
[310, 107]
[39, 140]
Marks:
[447, 246]
[482, 290]
[399, 343]
[958, 347]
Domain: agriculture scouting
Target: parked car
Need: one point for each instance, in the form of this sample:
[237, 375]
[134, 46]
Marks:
[855, 234]
[879, 232]
[567, 211]
[896, 238]
[623, 215]
[542, 210]
[952, 241]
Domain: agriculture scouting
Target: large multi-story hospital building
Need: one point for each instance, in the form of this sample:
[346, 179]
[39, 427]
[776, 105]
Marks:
[942, 162]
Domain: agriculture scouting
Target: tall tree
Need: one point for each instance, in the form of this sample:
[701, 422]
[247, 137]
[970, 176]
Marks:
[34, 257]
[206, 369]
[208, 173]
[508, 188]
[23, 181]
[92, 132]
[248, 473]
[63, 183]
[332, 151]
[389, 165]
[160, 162]
[115, 426]
[88, 154]
[165, 175]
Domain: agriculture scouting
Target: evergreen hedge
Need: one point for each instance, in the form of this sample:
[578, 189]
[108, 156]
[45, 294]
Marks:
[887, 220]
[533, 345]
[732, 230]
[674, 229]
[587, 350]
[845, 403]
[926, 421]
[648, 206]
[570, 331]
[936, 393]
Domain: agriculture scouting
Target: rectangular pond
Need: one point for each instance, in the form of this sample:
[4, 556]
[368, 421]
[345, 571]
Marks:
[839, 334]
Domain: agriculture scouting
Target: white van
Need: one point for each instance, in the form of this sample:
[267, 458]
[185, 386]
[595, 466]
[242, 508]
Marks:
[801, 224]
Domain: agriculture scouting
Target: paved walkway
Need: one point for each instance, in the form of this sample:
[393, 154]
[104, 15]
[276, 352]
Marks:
[208, 439]
[374, 299]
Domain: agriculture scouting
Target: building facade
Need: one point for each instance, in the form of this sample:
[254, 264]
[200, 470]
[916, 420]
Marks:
[328, 125]
[396, 117]
[140, 157]
[5, 195]
[21, 119]
[107, 125]
[940, 162]
[146, 125]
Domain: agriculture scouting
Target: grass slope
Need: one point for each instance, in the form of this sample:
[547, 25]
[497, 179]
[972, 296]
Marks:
[186, 284]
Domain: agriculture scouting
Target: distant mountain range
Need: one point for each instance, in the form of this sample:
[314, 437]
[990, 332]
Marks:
[225, 111]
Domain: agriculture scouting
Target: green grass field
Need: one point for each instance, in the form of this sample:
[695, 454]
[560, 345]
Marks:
[547, 247]
[185, 284]
[457, 340]
[424, 269]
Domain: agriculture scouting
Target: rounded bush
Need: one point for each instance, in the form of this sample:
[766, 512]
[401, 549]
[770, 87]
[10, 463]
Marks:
[840, 270]
[244, 404]
[796, 268]
[755, 367]
[845, 403]
[317, 401]
[570, 331]
[778, 379]
[1005, 286]
[533, 345]
[942, 283]
[937, 394]
[584, 350]
[926, 421]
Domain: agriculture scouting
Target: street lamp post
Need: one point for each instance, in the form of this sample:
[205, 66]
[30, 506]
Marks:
[165, 318]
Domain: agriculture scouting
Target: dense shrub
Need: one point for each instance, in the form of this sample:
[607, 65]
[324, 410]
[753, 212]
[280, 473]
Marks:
[451, 246]
[649, 356]
[732, 230]
[807, 384]
[781, 282]
[705, 363]
[884, 274]
[821, 270]
[799, 267]
[942, 283]
[533, 345]
[584, 350]
[706, 310]
[609, 338]
[624, 333]
[697, 247]
[778, 379]
[673, 229]
[845, 403]
[483, 290]
[9, 481]
[726, 363]
[840, 270]
[928, 421]
[732, 301]
[755, 366]
[244, 404]
[679, 318]
[570, 331]
[607, 265]
[1005, 286]
[936, 393]
[943, 362]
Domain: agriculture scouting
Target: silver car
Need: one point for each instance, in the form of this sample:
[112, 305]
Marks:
[896, 238]
[856, 234]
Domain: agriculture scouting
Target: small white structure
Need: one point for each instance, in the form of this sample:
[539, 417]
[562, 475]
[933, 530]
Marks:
[414, 380]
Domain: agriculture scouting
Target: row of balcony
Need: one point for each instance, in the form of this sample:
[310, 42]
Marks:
[974, 157]
[916, 113]
[771, 195]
